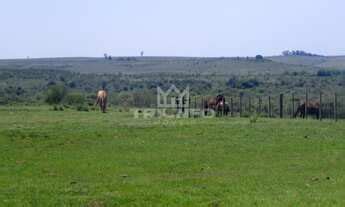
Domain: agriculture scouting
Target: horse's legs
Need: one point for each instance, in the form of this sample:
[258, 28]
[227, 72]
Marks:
[101, 105]
[104, 105]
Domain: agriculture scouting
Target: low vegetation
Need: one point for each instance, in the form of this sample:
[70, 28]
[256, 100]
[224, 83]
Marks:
[257, 78]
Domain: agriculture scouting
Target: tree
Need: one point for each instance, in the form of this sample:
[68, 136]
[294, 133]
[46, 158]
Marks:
[286, 53]
[55, 94]
[259, 57]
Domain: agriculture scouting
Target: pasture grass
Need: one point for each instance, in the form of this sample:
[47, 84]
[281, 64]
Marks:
[70, 158]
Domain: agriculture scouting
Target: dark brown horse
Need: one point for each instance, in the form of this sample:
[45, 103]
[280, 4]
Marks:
[223, 109]
[313, 108]
[102, 100]
[217, 104]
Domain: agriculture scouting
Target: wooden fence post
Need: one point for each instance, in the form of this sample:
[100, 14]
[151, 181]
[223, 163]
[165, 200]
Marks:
[260, 105]
[335, 107]
[202, 103]
[320, 107]
[250, 104]
[281, 105]
[269, 107]
[232, 106]
[241, 105]
[223, 109]
[306, 104]
[189, 106]
[293, 105]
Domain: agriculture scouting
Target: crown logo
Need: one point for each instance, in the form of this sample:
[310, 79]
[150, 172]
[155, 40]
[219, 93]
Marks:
[172, 97]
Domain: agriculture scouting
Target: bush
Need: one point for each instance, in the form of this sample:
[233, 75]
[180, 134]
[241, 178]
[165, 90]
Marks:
[75, 99]
[58, 108]
[82, 108]
[55, 94]
[326, 73]
[251, 83]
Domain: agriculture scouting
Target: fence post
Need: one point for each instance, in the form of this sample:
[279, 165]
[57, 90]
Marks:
[241, 105]
[250, 104]
[202, 103]
[232, 106]
[260, 105]
[335, 107]
[320, 107]
[223, 109]
[293, 105]
[269, 107]
[306, 104]
[189, 105]
[281, 107]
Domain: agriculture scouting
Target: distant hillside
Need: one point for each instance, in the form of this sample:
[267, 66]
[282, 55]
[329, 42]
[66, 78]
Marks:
[139, 65]
[334, 62]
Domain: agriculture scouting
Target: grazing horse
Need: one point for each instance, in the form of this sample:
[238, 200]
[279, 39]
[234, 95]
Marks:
[217, 104]
[313, 108]
[102, 100]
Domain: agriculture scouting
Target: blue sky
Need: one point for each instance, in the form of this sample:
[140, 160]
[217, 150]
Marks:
[64, 28]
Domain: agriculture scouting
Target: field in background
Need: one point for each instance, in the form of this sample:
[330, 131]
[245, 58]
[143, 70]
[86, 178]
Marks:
[139, 65]
[334, 62]
[207, 65]
[51, 158]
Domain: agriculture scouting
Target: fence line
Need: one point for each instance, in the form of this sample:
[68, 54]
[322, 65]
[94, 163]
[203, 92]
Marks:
[319, 105]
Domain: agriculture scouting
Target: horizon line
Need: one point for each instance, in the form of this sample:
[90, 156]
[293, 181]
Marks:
[153, 56]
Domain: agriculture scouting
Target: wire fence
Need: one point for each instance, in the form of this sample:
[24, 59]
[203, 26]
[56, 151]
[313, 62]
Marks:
[316, 105]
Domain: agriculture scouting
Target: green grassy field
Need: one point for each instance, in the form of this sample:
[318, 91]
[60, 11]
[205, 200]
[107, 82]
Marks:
[71, 158]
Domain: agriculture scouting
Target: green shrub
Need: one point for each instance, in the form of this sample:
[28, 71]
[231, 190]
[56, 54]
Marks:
[58, 108]
[75, 99]
[327, 72]
[82, 108]
[55, 94]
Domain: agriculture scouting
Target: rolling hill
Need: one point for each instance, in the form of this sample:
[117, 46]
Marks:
[332, 62]
[139, 65]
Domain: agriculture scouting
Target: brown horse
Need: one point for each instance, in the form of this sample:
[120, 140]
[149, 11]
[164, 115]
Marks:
[102, 100]
[313, 108]
[223, 109]
[217, 104]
